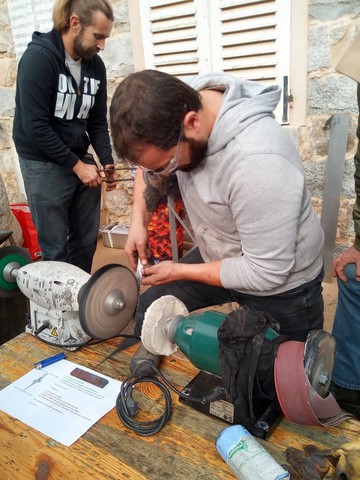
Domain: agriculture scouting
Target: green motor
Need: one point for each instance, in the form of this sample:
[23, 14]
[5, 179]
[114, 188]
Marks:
[196, 337]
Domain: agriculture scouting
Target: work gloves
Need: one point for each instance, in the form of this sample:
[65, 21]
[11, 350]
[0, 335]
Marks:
[311, 463]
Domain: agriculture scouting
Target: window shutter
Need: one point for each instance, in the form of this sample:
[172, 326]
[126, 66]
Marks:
[247, 38]
[251, 35]
[169, 29]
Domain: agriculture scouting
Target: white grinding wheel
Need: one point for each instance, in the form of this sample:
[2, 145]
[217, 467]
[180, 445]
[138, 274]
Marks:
[158, 316]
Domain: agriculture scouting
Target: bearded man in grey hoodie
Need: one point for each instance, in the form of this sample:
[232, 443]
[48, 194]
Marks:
[259, 241]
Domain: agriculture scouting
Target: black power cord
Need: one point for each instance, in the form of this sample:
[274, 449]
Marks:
[127, 408]
[88, 343]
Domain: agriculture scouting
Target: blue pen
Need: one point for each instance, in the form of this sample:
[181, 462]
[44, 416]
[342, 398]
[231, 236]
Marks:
[50, 360]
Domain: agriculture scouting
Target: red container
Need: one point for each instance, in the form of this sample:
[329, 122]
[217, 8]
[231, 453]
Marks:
[22, 213]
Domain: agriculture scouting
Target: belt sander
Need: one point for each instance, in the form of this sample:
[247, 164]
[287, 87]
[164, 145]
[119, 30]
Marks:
[301, 370]
[69, 307]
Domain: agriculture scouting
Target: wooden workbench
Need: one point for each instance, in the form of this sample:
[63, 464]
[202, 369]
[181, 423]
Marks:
[183, 450]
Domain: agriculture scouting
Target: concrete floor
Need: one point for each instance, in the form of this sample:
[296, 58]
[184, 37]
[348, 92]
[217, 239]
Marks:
[105, 255]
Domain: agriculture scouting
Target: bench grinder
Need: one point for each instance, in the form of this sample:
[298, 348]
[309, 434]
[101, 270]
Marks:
[69, 307]
[301, 370]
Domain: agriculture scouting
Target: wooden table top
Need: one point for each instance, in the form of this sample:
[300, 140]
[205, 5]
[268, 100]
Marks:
[183, 450]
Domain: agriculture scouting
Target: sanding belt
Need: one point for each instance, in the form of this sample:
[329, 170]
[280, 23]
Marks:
[298, 399]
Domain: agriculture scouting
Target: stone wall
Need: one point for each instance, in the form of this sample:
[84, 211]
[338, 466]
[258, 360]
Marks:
[7, 88]
[332, 26]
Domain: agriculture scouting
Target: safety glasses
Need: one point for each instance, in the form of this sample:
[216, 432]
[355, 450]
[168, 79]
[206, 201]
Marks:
[173, 162]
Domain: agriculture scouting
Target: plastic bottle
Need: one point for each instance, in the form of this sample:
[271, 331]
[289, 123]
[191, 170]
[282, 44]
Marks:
[246, 457]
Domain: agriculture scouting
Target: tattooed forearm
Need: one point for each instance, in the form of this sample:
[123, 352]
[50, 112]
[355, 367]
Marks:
[154, 189]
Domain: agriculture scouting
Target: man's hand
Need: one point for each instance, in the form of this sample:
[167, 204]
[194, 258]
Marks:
[351, 255]
[136, 247]
[111, 177]
[161, 273]
[169, 271]
[88, 174]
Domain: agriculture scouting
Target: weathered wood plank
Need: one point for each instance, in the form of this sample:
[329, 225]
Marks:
[184, 449]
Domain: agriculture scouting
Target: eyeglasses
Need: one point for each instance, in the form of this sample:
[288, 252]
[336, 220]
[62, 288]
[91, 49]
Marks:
[174, 160]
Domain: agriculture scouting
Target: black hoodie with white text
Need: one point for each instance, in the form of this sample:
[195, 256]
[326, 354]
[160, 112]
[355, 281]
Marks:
[55, 119]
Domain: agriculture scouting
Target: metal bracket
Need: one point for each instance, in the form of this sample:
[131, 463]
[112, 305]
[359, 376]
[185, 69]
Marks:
[172, 216]
[339, 125]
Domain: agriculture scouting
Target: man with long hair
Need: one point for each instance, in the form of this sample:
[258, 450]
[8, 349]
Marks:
[60, 111]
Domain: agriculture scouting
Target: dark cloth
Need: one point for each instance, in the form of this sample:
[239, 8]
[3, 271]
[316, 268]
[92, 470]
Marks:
[13, 316]
[55, 120]
[247, 358]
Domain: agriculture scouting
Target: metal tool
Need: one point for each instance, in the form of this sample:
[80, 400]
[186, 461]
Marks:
[69, 307]
[117, 180]
[113, 169]
[168, 326]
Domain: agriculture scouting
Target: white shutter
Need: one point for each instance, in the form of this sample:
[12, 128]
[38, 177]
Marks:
[247, 38]
[252, 38]
[170, 36]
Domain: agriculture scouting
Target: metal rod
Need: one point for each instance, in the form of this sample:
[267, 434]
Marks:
[182, 223]
[173, 239]
[117, 180]
[113, 169]
[339, 125]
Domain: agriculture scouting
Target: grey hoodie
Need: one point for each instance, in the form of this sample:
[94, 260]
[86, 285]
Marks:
[247, 202]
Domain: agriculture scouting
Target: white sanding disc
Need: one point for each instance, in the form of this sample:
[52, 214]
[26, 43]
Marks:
[154, 335]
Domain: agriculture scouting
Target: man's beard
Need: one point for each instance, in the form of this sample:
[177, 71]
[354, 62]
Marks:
[197, 151]
[84, 53]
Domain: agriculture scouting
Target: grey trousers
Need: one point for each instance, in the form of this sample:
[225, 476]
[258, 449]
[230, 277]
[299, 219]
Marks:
[65, 212]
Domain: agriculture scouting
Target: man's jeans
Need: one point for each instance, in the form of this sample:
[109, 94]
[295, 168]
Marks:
[298, 311]
[346, 331]
[65, 212]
